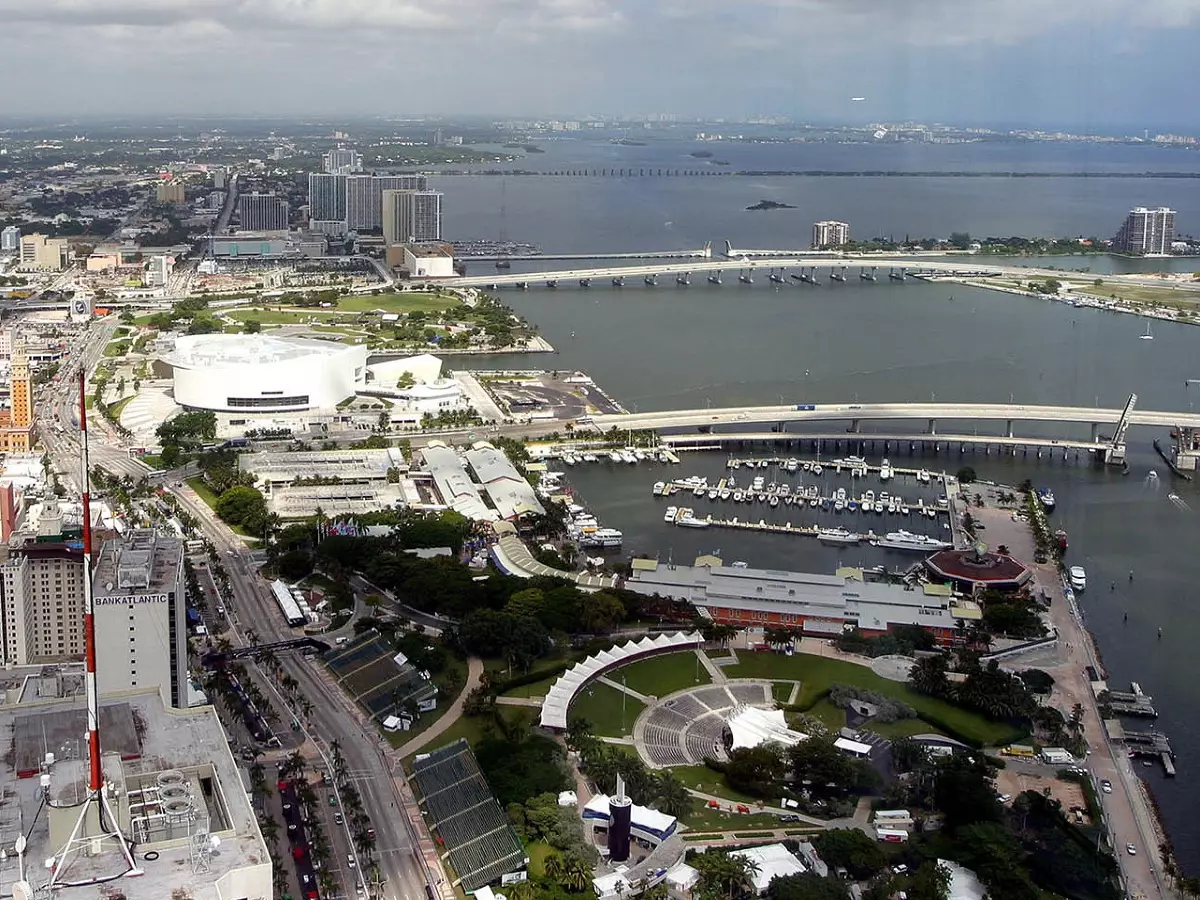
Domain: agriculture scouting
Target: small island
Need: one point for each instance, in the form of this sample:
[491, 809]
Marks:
[626, 142]
[528, 148]
[702, 154]
[770, 204]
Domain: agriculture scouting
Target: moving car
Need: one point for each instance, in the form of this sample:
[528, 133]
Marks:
[1131, 850]
[1106, 786]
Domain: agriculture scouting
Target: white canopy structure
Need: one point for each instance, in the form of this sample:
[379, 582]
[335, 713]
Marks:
[648, 824]
[562, 692]
[771, 861]
[854, 748]
[751, 726]
[682, 877]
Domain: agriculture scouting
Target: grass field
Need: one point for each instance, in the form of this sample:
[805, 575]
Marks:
[203, 491]
[702, 818]
[473, 728]
[454, 673]
[662, 675]
[115, 409]
[601, 705]
[537, 852]
[117, 348]
[1136, 293]
[817, 673]
[704, 779]
[537, 689]
[781, 691]
[411, 301]
[285, 316]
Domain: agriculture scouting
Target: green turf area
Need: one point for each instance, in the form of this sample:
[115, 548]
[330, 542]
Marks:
[286, 316]
[702, 818]
[662, 675]
[117, 348]
[116, 408]
[817, 673]
[203, 491]
[705, 780]
[537, 853]
[537, 689]
[782, 691]
[601, 705]
[410, 301]
[473, 728]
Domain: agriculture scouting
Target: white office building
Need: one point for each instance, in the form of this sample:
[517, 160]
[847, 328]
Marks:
[141, 616]
[158, 270]
[364, 197]
[10, 239]
[342, 161]
[412, 216]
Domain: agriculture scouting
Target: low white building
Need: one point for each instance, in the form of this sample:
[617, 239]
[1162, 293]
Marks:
[428, 261]
[770, 861]
[509, 492]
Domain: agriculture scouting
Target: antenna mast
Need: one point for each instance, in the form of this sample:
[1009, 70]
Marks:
[96, 823]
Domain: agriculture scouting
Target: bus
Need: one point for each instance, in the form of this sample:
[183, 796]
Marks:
[287, 604]
[1020, 751]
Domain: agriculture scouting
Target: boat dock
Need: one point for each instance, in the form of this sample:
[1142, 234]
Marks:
[1149, 744]
[1130, 703]
[857, 467]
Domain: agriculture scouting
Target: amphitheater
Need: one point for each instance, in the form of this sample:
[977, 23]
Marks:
[686, 726]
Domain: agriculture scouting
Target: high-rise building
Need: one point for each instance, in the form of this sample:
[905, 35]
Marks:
[1146, 232]
[364, 196]
[43, 253]
[16, 422]
[158, 270]
[42, 580]
[10, 238]
[219, 177]
[327, 198]
[342, 161]
[830, 234]
[262, 212]
[412, 216]
[169, 191]
[141, 616]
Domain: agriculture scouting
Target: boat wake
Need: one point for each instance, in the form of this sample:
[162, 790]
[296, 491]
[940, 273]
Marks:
[1179, 502]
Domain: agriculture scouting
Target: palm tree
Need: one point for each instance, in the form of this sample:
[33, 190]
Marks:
[576, 875]
[554, 867]
[673, 797]
[522, 890]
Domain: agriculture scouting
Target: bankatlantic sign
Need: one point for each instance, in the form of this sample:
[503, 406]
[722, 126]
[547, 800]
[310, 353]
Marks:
[121, 600]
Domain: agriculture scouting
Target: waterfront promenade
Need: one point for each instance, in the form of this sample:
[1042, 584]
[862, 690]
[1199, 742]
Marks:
[1127, 812]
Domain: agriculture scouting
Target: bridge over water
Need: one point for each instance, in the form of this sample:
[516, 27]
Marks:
[743, 419]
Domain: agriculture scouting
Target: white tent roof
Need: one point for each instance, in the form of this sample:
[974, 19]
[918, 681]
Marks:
[964, 884]
[612, 885]
[639, 816]
[682, 876]
[773, 861]
[752, 726]
[563, 691]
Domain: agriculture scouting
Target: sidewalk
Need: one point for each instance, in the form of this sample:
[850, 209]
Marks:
[474, 676]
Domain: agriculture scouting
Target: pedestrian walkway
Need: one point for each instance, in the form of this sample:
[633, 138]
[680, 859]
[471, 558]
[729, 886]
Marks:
[535, 702]
[641, 698]
[474, 676]
[718, 677]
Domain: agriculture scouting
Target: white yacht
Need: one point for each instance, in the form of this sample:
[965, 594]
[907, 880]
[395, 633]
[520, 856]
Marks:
[923, 476]
[671, 513]
[589, 457]
[906, 540]
[724, 493]
[1078, 578]
[659, 488]
[816, 469]
[885, 470]
[690, 521]
[774, 500]
[837, 536]
[615, 456]
[838, 504]
[602, 537]
[792, 465]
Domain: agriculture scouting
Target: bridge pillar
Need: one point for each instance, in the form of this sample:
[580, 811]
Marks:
[932, 426]
[1008, 430]
[1095, 432]
[855, 424]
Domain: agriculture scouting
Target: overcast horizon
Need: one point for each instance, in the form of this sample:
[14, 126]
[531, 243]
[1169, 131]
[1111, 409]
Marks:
[1069, 64]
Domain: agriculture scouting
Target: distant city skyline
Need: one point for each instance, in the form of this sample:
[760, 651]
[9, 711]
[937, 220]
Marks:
[1073, 65]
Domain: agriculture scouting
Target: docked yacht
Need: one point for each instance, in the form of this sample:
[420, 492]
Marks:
[1046, 496]
[671, 513]
[615, 456]
[589, 458]
[774, 501]
[689, 520]
[885, 471]
[660, 488]
[923, 476]
[906, 540]
[1078, 578]
[792, 464]
[602, 537]
[837, 536]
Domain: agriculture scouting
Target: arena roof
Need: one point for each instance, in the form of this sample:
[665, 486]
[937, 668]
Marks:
[509, 492]
[225, 351]
[563, 691]
[456, 488]
[461, 809]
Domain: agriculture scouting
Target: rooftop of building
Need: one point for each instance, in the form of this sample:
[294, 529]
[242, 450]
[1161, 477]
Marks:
[229, 350]
[428, 250]
[147, 749]
[342, 463]
[143, 560]
[978, 566]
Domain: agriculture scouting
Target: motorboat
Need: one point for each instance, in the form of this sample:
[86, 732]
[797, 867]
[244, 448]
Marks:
[885, 470]
[816, 469]
[1078, 578]
[839, 504]
[602, 537]
[671, 513]
[1046, 496]
[689, 520]
[659, 488]
[723, 493]
[923, 476]
[774, 501]
[906, 540]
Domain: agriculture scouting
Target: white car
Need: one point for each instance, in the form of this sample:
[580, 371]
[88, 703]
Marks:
[1078, 578]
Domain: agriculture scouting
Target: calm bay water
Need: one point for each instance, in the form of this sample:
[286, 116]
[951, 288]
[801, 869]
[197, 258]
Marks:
[671, 347]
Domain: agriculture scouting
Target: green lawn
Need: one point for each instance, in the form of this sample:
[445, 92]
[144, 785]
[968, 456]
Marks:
[116, 408]
[473, 728]
[702, 778]
[286, 316]
[537, 852]
[702, 818]
[410, 301]
[117, 348]
[781, 691]
[817, 673]
[601, 705]
[455, 673]
[662, 675]
[203, 491]
[537, 689]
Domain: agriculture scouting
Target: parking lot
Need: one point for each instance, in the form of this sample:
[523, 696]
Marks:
[557, 395]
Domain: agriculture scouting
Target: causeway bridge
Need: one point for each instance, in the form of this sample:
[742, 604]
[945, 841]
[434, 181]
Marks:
[1116, 422]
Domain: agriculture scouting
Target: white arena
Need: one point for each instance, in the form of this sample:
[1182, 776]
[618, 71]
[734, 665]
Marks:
[257, 373]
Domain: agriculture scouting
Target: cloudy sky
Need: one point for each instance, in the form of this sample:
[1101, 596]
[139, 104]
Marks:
[1102, 64]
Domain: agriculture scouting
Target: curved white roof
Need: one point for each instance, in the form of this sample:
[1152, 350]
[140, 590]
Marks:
[223, 351]
[751, 726]
[563, 691]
